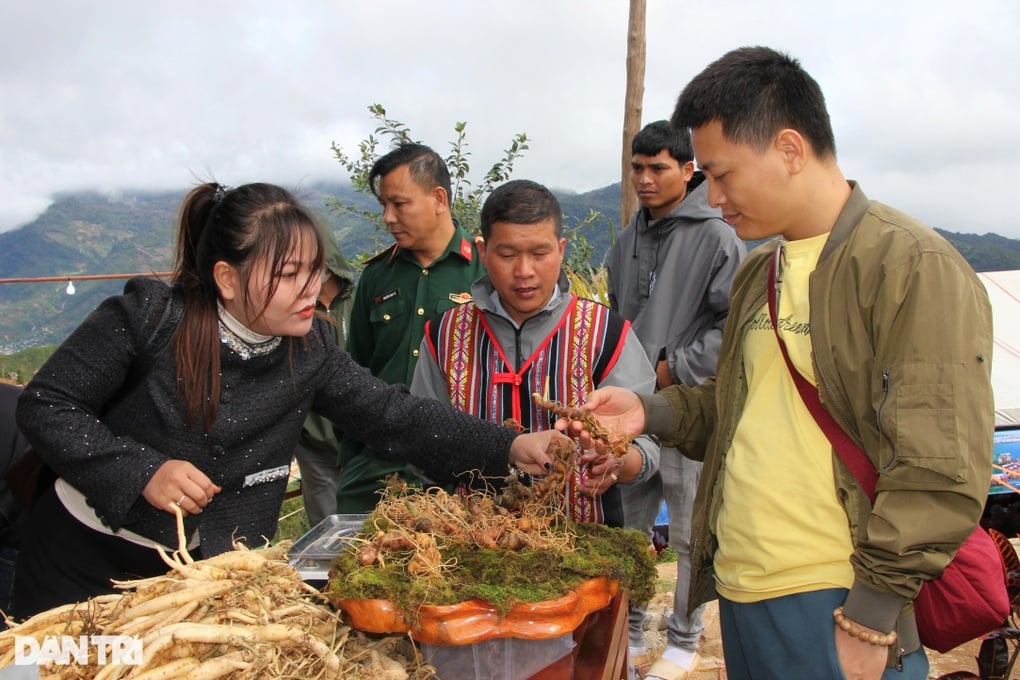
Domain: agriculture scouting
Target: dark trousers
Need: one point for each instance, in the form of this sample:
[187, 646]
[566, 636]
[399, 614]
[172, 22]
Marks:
[63, 561]
[8, 556]
[793, 637]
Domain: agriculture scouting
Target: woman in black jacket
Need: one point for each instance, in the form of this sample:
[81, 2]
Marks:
[194, 396]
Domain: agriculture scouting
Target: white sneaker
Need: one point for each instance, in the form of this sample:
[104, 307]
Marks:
[674, 664]
[638, 657]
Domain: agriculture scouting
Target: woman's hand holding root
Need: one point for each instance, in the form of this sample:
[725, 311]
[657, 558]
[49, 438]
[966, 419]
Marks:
[528, 452]
[179, 483]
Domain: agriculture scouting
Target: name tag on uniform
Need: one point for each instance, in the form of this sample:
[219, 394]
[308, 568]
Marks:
[379, 299]
[268, 475]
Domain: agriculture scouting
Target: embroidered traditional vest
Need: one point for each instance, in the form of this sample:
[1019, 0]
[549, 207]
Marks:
[568, 364]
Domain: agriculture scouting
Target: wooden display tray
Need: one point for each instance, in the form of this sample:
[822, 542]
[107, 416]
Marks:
[600, 647]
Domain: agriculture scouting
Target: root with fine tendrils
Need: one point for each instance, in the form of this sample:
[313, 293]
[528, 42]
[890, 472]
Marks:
[616, 443]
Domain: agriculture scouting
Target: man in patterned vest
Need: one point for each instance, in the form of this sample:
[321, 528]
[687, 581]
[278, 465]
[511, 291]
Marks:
[526, 333]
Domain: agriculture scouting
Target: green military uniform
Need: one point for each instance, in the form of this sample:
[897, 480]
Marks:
[394, 299]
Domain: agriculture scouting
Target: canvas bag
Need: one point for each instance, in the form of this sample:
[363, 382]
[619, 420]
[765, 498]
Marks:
[969, 599]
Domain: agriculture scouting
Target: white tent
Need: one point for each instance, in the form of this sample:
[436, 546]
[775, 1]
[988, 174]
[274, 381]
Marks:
[1004, 294]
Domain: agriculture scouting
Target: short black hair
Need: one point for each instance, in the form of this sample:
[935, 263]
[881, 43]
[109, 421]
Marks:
[520, 201]
[427, 168]
[755, 92]
[660, 135]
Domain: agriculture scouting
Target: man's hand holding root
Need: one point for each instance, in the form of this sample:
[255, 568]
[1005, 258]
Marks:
[607, 470]
[618, 410]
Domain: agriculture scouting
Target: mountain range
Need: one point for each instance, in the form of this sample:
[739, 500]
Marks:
[89, 233]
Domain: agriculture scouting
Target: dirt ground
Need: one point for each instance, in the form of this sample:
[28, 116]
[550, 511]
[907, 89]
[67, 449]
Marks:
[960, 659]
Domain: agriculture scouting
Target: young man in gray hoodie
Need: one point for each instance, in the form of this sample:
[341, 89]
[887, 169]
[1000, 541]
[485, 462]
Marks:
[670, 273]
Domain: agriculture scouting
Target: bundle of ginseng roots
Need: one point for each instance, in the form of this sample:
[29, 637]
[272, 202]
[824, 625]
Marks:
[241, 614]
[514, 545]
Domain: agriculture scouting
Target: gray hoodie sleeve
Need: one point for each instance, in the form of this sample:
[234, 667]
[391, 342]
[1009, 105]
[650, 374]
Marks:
[693, 360]
[428, 380]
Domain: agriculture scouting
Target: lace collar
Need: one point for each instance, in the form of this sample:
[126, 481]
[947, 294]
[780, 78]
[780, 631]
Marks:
[244, 342]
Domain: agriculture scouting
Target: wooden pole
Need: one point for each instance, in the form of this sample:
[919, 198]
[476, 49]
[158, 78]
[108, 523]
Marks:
[83, 277]
[633, 103]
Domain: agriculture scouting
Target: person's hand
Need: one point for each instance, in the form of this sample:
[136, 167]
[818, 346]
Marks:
[178, 482]
[617, 409]
[607, 470]
[859, 660]
[603, 472]
[528, 451]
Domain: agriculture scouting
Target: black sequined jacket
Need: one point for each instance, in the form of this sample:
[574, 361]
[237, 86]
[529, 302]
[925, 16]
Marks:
[263, 402]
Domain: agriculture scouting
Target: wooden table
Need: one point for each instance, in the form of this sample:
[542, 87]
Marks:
[600, 647]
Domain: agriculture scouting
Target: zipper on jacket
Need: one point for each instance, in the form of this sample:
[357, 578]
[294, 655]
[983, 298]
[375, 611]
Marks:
[881, 430]
[518, 331]
[517, 348]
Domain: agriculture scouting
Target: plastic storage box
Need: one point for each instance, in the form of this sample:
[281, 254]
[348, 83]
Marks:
[497, 659]
[312, 553]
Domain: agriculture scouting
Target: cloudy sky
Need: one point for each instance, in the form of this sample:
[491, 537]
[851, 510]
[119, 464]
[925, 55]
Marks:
[115, 95]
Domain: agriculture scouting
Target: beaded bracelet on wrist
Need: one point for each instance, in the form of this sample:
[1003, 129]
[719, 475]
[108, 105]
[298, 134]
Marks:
[854, 630]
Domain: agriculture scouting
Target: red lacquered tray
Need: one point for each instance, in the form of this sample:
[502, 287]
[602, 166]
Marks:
[476, 620]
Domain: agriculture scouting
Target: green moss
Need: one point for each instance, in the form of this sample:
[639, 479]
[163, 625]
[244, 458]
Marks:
[505, 578]
[293, 519]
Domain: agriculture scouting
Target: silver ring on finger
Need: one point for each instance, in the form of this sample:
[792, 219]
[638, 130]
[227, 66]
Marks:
[181, 500]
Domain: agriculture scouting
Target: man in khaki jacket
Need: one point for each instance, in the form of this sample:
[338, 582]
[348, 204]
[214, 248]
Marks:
[894, 329]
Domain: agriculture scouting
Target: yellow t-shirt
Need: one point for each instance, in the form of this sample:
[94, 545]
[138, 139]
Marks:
[780, 528]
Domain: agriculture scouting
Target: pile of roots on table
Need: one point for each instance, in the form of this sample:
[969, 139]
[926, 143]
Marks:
[508, 544]
[240, 614]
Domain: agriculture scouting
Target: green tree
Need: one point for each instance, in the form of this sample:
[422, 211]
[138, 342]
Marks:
[19, 367]
[585, 280]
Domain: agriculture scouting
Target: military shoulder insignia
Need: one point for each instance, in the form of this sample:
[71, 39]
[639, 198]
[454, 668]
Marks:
[388, 254]
[465, 250]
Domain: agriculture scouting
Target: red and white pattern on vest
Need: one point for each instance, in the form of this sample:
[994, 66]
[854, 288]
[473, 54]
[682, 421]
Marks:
[478, 374]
